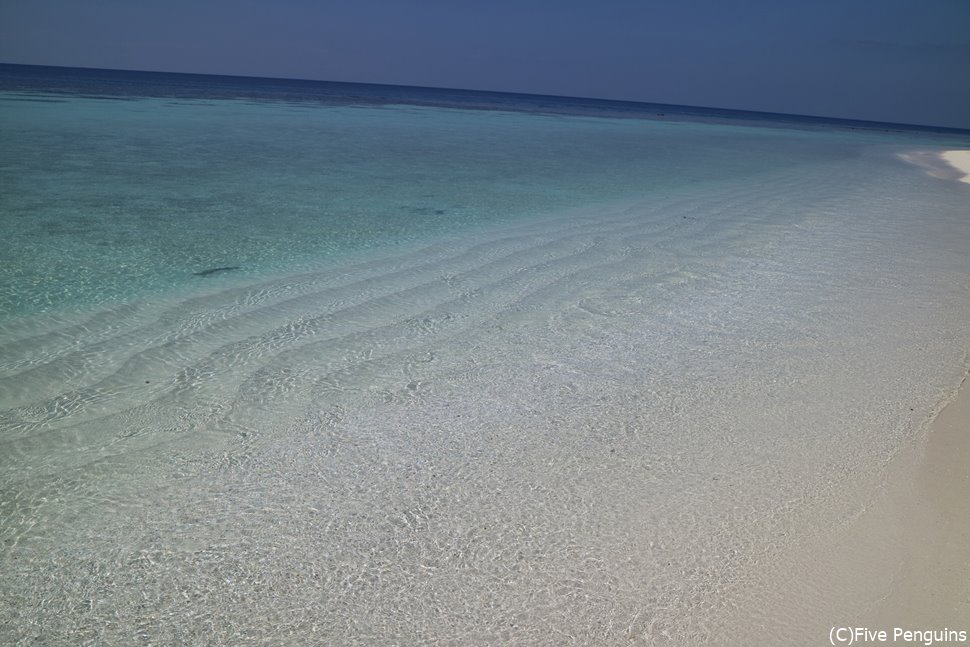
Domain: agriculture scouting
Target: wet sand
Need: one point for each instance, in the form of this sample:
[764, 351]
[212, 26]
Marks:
[896, 555]
[891, 551]
[933, 585]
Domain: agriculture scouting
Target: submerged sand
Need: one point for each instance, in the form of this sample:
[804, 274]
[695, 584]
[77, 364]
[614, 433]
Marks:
[699, 420]
[896, 559]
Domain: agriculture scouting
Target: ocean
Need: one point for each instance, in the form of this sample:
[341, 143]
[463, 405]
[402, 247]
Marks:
[294, 362]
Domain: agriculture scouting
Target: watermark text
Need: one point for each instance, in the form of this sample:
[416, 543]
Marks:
[900, 635]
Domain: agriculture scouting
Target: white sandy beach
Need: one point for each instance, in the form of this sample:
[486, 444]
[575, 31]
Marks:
[689, 404]
[946, 165]
[959, 160]
[896, 559]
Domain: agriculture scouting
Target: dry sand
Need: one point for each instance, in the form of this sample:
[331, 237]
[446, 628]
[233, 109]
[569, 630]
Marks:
[946, 165]
[959, 160]
[895, 552]
[891, 552]
[933, 585]
[897, 555]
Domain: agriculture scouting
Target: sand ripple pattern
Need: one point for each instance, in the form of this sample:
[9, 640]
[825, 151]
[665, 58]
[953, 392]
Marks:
[576, 431]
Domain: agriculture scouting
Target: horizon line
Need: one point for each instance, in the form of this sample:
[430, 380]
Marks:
[846, 120]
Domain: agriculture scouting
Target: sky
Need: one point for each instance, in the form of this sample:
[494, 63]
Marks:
[903, 61]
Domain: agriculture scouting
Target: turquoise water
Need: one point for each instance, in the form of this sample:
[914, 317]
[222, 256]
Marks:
[111, 199]
[491, 376]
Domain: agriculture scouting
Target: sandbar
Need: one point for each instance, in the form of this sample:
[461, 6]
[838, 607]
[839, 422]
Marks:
[959, 160]
[946, 165]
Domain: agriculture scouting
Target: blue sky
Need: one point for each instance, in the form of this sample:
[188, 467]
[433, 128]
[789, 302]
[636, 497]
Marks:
[887, 60]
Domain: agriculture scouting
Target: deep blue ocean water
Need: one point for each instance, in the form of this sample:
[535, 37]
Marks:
[294, 361]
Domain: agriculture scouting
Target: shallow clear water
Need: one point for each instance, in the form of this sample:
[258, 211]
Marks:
[481, 376]
[111, 199]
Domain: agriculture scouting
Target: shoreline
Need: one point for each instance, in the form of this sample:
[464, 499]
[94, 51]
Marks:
[933, 584]
[925, 498]
[890, 550]
[946, 165]
[960, 160]
[899, 559]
